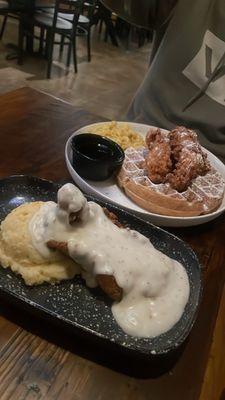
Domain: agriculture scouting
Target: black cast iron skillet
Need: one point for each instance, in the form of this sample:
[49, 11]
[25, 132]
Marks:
[88, 312]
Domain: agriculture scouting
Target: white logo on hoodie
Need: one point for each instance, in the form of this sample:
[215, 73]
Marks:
[203, 65]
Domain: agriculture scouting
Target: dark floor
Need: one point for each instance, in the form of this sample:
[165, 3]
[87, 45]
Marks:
[105, 86]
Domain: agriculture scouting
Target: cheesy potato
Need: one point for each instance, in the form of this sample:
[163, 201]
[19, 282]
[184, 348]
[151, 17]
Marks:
[18, 253]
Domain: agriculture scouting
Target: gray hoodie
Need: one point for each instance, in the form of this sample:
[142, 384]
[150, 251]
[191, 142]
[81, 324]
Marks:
[185, 84]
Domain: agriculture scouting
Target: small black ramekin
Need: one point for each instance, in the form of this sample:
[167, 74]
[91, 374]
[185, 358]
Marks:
[96, 157]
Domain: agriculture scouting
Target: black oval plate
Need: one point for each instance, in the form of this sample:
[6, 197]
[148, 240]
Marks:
[89, 311]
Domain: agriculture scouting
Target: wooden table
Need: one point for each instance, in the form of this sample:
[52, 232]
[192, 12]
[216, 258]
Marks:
[40, 362]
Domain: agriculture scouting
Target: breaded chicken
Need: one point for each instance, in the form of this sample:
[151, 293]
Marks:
[106, 282]
[158, 160]
[190, 160]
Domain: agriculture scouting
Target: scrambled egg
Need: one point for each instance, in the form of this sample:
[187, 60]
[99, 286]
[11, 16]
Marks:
[18, 252]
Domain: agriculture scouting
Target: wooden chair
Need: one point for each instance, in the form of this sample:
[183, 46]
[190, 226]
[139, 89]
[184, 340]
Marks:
[53, 24]
[85, 23]
[4, 9]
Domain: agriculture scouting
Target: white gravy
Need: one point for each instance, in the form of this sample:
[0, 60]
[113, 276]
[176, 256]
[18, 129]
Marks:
[155, 287]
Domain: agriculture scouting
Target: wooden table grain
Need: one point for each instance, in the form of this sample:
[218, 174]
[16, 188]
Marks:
[38, 361]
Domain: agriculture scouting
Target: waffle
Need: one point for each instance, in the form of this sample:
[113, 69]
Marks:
[203, 196]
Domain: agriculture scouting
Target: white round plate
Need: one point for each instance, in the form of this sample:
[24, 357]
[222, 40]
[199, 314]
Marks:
[109, 190]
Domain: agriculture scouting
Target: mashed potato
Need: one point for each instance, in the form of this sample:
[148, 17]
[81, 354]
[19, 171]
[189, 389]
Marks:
[119, 133]
[18, 252]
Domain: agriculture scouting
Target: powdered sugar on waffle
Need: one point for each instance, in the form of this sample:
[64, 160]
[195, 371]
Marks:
[205, 189]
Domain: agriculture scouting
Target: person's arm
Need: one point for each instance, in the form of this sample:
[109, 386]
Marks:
[144, 13]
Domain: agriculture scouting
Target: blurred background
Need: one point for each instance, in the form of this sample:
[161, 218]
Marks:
[112, 55]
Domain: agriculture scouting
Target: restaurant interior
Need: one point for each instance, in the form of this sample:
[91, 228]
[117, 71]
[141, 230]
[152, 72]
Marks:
[108, 63]
[112, 200]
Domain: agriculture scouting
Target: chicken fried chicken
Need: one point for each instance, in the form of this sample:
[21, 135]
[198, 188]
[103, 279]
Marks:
[189, 159]
[106, 282]
[175, 157]
[158, 161]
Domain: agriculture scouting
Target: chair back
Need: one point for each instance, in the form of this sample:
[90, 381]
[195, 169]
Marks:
[20, 5]
[90, 6]
[73, 8]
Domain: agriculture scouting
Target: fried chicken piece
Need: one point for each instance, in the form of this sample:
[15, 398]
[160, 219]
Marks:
[113, 217]
[158, 160]
[186, 170]
[151, 136]
[61, 246]
[109, 285]
[181, 138]
[190, 161]
[106, 282]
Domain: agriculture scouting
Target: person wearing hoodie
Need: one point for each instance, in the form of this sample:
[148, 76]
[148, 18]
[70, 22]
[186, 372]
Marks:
[185, 82]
